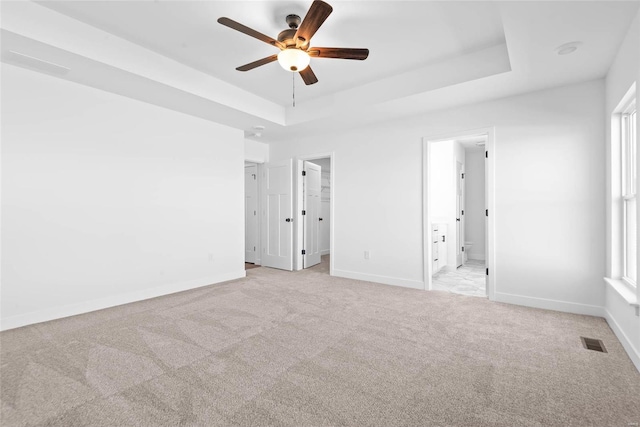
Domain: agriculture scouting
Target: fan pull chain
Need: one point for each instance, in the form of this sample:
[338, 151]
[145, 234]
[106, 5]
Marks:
[293, 82]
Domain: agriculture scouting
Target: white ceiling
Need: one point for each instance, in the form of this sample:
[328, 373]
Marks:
[400, 37]
[424, 55]
[473, 142]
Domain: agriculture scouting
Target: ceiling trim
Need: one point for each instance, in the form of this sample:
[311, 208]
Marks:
[39, 23]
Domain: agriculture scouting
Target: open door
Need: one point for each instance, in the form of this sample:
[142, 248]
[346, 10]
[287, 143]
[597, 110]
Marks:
[277, 229]
[250, 213]
[312, 182]
[459, 214]
[486, 220]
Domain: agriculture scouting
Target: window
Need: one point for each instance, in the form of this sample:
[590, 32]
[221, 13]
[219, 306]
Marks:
[629, 178]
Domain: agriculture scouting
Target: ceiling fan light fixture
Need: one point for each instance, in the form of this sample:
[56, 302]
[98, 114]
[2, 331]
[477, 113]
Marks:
[293, 59]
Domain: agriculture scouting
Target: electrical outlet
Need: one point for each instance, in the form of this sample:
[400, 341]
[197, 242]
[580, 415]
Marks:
[367, 255]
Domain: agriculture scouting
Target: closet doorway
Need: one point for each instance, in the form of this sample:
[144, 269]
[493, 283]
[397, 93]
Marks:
[458, 220]
[314, 203]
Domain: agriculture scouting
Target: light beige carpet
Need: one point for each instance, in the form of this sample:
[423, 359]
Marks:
[305, 349]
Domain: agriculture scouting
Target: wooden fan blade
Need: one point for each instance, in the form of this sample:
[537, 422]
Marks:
[317, 14]
[339, 52]
[249, 31]
[259, 62]
[308, 76]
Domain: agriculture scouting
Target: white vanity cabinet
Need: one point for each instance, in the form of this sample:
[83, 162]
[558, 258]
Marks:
[438, 246]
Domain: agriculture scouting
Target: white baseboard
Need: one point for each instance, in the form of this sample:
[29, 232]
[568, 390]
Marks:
[112, 301]
[386, 280]
[633, 352]
[549, 304]
[325, 252]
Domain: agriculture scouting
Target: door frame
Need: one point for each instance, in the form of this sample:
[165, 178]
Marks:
[298, 241]
[489, 201]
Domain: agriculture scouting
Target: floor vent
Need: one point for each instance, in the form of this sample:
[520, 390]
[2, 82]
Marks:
[593, 344]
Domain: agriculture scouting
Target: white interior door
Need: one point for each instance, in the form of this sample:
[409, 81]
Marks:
[250, 213]
[277, 229]
[325, 213]
[486, 219]
[312, 183]
[459, 214]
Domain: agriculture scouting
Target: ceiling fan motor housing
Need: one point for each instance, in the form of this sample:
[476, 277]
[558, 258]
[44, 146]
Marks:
[293, 21]
[288, 36]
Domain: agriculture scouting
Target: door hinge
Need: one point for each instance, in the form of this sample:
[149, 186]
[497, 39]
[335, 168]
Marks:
[463, 249]
[304, 252]
[486, 154]
[304, 173]
[254, 176]
[254, 212]
[487, 271]
[304, 212]
[462, 211]
[254, 249]
[462, 176]
[486, 212]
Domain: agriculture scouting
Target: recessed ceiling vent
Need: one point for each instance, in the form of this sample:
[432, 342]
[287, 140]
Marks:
[593, 344]
[32, 62]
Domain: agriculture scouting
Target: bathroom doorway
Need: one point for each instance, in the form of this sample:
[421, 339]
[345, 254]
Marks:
[458, 230]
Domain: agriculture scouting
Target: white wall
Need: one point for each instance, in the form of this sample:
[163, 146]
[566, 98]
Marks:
[107, 200]
[474, 213]
[256, 152]
[624, 71]
[548, 195]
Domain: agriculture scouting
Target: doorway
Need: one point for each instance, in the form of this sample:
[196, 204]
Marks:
[314, 202]
[286, 207]
[458, 214]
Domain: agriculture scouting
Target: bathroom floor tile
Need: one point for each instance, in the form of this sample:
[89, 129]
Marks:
[468, 279]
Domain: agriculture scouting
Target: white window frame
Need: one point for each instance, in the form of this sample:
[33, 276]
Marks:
[629, 179]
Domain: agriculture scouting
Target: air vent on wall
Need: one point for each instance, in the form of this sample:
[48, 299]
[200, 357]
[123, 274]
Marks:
[593, 344]
[18, 58]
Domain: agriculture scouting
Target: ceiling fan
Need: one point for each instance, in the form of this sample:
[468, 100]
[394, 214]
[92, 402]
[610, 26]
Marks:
[295, 53]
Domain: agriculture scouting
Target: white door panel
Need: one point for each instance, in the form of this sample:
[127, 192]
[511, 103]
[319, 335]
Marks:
[250, 213]
[459, 214]
[278, 216]
[312, 190]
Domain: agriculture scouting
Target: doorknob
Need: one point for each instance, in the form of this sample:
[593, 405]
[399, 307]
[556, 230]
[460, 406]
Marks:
[457, 219]
[288, 219]
[319, 219]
